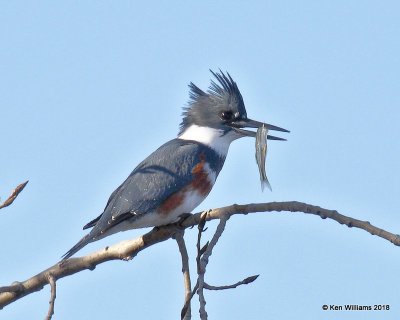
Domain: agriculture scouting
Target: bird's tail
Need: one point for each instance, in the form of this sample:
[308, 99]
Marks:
[81, 243]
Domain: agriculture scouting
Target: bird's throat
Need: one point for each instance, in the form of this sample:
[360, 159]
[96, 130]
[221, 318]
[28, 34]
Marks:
[214, 138]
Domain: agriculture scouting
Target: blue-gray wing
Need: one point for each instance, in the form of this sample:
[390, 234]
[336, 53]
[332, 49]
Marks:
[164, 172]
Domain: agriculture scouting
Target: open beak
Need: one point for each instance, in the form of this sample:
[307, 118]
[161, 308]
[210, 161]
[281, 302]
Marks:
[248, 123]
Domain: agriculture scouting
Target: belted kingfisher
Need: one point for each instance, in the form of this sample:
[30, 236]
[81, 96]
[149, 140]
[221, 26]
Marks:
[178, 176]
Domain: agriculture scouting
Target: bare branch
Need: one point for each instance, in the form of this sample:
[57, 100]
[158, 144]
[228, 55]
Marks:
[186, 311]
[190, 298]
[210, 246]
[204, 261]
[200, 251]
[232, 286]
[128, 249]
[200, 227]
[201, 267]
[14, 287]
[301, 207]
[14, 195]
[52, 283]
[124, 250]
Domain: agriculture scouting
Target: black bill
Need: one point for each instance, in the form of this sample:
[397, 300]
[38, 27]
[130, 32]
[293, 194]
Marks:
[249, 123]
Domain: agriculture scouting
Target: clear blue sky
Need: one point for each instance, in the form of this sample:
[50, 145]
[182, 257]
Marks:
[88, 89]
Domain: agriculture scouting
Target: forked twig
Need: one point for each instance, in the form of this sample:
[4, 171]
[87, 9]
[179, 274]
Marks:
[203, 255]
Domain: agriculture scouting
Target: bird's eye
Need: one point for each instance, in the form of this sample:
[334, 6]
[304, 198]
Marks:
[227, 115]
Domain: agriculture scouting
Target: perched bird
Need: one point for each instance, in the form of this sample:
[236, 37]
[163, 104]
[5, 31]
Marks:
[178, 176]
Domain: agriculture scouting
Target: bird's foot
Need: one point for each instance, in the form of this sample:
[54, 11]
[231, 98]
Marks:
[182, 218]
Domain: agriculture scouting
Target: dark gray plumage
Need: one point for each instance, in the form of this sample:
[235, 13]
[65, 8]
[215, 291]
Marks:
[222, 97]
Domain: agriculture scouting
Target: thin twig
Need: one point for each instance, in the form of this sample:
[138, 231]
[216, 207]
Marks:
[201, 268]
[52, 282]
[214, 240]
[203, 265]
[130, 248]
[186, 313]
[14, 195]
[187, 303]
[232, 286]
[200, 227]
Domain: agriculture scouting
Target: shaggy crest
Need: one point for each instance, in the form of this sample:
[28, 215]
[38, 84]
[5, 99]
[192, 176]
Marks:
[223, 94]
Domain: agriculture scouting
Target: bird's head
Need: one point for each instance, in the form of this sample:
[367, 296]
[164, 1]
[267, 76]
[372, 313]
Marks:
[221, 108]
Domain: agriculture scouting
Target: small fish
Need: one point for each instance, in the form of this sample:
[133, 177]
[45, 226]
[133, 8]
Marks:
[261, 154]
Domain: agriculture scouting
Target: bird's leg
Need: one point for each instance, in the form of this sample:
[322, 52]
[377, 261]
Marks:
[178, 224]
[182, 218]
